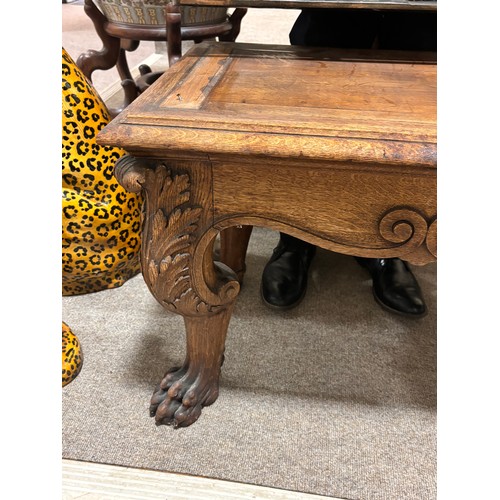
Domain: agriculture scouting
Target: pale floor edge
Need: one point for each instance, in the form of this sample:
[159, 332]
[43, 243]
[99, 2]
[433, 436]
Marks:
[92, 481]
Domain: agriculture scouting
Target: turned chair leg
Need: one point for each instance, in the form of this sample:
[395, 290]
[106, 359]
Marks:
[235, 19]
[233, 248]
[105, 58]
[122, 63]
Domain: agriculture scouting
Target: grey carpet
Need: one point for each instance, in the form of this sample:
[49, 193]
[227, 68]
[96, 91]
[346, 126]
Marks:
[336, 397]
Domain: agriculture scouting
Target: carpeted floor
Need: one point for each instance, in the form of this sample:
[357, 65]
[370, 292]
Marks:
[336, 397]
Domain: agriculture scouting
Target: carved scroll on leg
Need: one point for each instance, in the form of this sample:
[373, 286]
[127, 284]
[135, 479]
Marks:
[432, 238]
[414, 237]
[178, 267]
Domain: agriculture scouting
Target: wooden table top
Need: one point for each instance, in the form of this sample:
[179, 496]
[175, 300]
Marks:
[226, 98]
[322, 4]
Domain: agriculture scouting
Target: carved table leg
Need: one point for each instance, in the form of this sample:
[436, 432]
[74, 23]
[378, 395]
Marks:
[178, 267]
[180, 396]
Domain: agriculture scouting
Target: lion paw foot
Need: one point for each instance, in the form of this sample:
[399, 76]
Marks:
[180, 397]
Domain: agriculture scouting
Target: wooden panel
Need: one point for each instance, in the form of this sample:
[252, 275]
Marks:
[197, 85]
[288, 101]
[321, 4]
[404, 94]
[330, 202]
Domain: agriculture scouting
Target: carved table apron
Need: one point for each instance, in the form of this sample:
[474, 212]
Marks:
[337, 148]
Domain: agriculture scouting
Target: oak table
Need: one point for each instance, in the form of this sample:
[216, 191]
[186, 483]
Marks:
[337, 148]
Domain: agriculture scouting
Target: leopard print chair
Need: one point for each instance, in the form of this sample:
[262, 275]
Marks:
[72, 355]
[100, 220]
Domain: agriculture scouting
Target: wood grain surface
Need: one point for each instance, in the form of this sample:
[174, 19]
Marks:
[321, 4]
[347, 105]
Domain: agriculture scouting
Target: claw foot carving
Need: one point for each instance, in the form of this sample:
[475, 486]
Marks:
[183, 392]
[180, 397]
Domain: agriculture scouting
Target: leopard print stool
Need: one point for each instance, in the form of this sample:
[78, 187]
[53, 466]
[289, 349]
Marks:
[72, 355]
[100, 221]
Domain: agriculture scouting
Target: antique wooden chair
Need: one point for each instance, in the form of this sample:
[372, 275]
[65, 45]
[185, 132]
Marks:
[123, 24]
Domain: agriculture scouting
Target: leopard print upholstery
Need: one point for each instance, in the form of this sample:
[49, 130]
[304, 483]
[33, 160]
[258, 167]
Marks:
[100, 220]
[72, 355]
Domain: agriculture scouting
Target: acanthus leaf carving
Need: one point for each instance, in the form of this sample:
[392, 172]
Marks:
[169, 232]
[169, 245]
